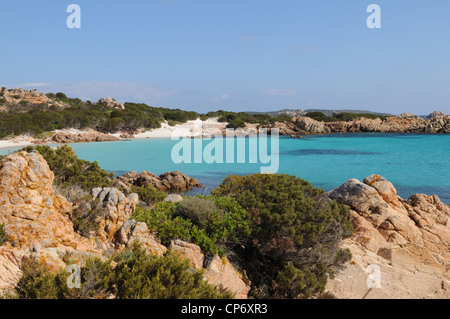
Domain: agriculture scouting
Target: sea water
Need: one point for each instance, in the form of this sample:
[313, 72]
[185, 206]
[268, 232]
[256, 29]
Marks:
[414, 163]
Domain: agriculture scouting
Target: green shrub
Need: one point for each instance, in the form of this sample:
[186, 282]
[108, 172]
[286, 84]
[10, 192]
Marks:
[136, 275]
[37, 282]
[291, 222]
[343, 116]
[215, 224]
[3, 236]
[294, 283]
[69, 170]
[161, 220]
[150, 195]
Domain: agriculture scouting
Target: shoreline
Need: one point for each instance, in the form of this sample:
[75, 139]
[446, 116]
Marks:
[193, 128]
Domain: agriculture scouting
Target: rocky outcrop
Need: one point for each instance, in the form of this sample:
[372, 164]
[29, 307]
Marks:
[222, 273]
[10, 267]
[133, 231]
[219, 271]
[188, 251]
[112, 208]
[408, 240]
[24, 100]
[172, 181]
[38, 225]
[111, 103]
[30, 209]
[30, 96]
[436, 114]
[437, 123]
[81, 137]
[38, 221]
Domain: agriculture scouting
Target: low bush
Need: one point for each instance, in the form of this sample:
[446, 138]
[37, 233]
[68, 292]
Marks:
[293, 225]
[3, 236]
[150, 195]
[136, 275]
[215, 224]
[70, 170]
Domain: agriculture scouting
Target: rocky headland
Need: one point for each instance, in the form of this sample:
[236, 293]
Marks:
[436, 122]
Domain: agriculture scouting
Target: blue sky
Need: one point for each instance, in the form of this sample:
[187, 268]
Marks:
[247, 55]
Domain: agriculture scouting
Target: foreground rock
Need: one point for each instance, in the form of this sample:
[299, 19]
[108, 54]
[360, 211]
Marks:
[408, 240]
[219, 271]
[36, 219]
[30, 209]
[173, 181]
[89, 136]
[38, 225]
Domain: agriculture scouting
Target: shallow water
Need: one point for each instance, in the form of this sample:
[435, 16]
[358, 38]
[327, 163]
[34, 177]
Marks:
[414, 163]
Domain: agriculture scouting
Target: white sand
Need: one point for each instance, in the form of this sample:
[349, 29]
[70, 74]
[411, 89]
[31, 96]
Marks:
[197, 128]
[19, 141]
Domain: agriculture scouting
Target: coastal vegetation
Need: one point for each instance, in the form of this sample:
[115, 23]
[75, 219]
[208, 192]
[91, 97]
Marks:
[216, 224]
[40, 118]
[72, 171]
[135, 275]
[239, 119]
[295, 229]
[343, 116]
[3, 237]
[283, 232]
[149, 195]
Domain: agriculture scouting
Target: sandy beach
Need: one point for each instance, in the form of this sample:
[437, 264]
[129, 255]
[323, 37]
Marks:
[196, 128]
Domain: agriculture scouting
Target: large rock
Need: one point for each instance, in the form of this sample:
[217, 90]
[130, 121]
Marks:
[133, 231]
[10, 267]
[409, 240]
[219, 272]
[36, 218]
[357, 195]
[308, 125]
[112, 209]
[222, 273]
[111, 103]
[436, 114]
[188, 251]
[30, 209]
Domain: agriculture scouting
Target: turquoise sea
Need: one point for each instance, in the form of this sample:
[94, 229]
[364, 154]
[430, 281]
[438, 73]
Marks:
[414, 163]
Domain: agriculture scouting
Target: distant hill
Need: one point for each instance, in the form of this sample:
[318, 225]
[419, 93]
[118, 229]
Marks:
[301, 112]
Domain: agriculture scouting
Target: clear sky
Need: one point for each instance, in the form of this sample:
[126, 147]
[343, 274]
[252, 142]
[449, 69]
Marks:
[247, 55]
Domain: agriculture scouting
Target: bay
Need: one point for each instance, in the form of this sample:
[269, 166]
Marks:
[414, 163]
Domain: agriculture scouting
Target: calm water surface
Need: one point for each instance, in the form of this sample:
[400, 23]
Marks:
[413, 163]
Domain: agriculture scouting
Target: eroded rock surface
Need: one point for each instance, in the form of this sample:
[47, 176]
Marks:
[408, 239]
